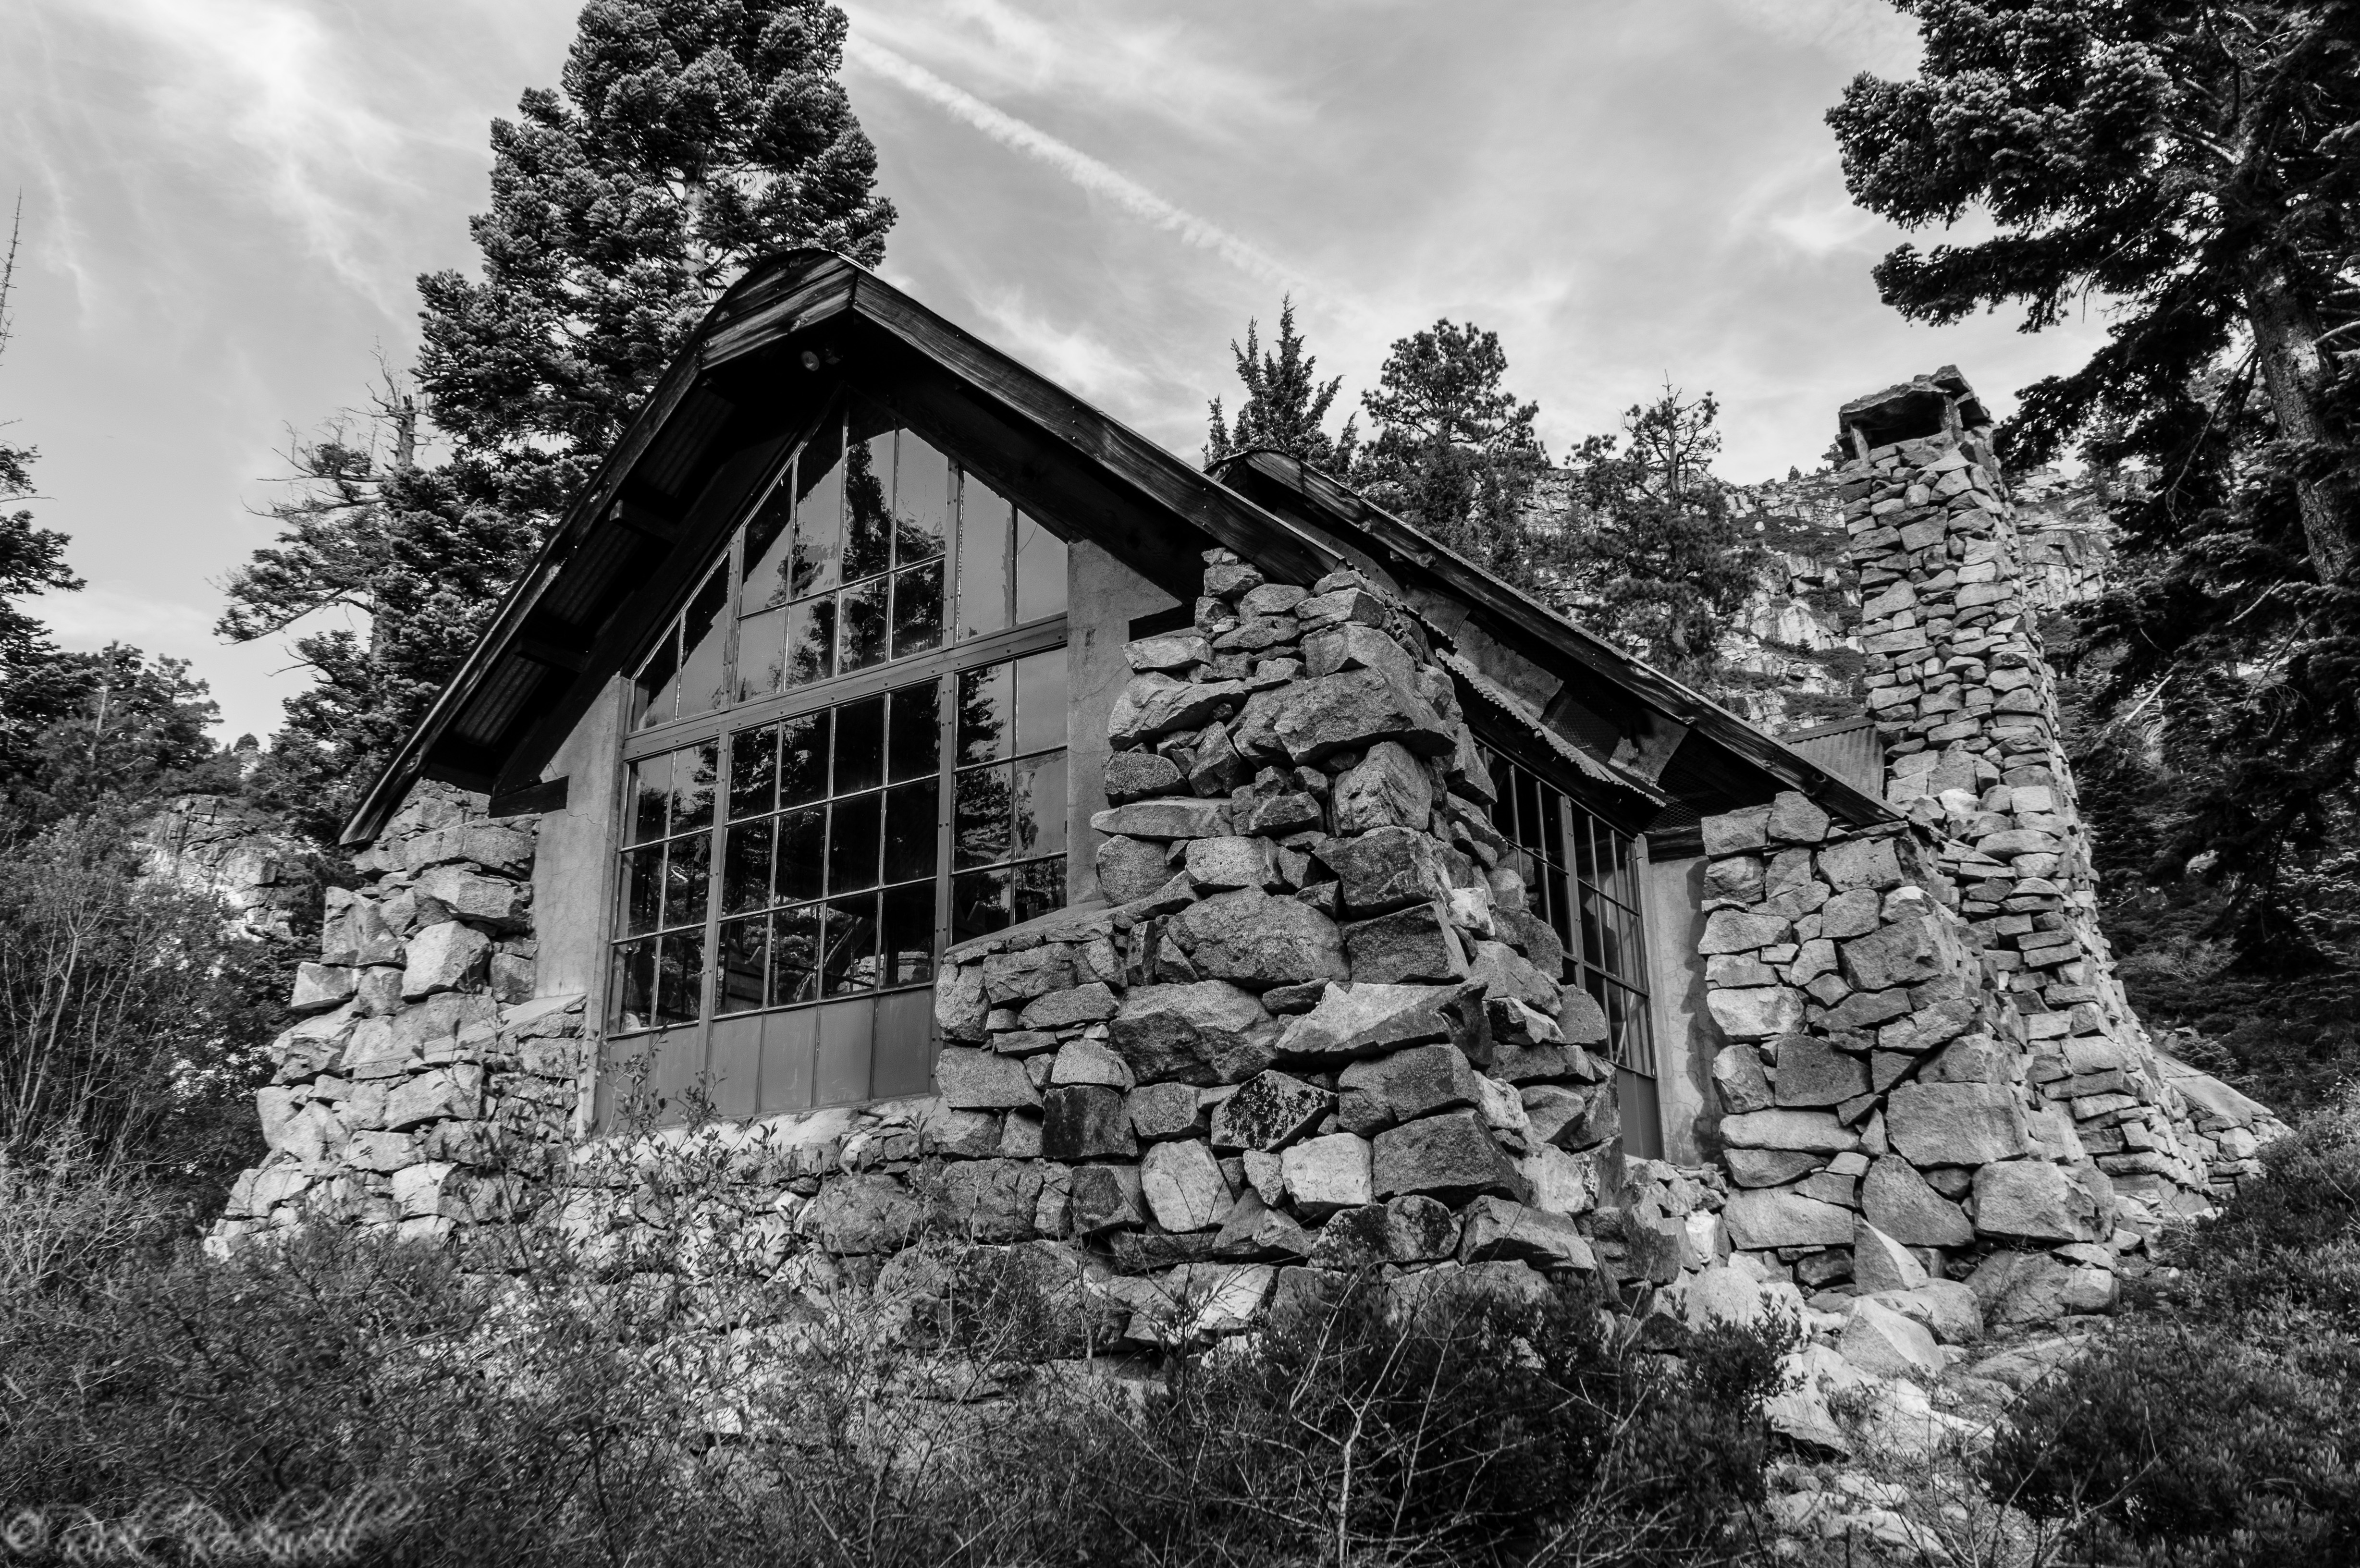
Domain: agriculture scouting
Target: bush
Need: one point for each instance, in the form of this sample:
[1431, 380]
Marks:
[373, 1395]
[2220, 1429]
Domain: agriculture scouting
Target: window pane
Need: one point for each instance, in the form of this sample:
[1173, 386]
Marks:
[680, 977]
[763, 655]
[860, 746]
[1586, 862]
[754, 771]
[849, 962]
[795, 955]
[980, 817]
[687, 870]
[802, 760]
[986, 714]
[867, 501]
[853, 841]
[704, 683]
[692, 773]
[744, 945]
[650, 797]
[1040, 572]
[1039, 797]
[655, 692]
[979, 903]
[910, 830]
[810, 641]
[906, 951]
[769, 547]
[984, 517]
[1593, 939]
[1040, 700]
[819, 520]
[642, 895]
[745, 874]
[918, 610]
[630, 987]
[915, 748]
[863, 621]
[922, 500]
[1038, 888]
[803, 843]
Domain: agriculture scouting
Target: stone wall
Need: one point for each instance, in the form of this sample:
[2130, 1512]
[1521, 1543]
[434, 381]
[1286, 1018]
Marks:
[1312, 1027]
[427, 1085]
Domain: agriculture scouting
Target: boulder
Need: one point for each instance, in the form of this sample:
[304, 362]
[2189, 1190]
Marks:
[1136, 774]
[1384, 1091]
[1816, 1132]
[1737, 1076]
[2019, 1288]
[1221, 864]
[1087, 1062]
[1881, 1263]
[1897, 1201]
[1351, 711]
[1570, 1119]
[1183, 1186]
[1325, 1174]
[1387, 787]
[1812, 1071]
[1157, 705]
[1269, 1111]
[1104, 1197]
[1448, 1157]
[1734, 930]
[1087, 1004]
[1387, 868]
[495, 901]
[1503, 973]
[1257, 941]
[988, 1201]
[971, 1080]
[1130, 868]
[1159, 1111]
[1410, 945]
[1759, 1012]
[1762, 1218]
[1859, 863]
[1906, 951]
[445, 957]
[1364, 1018]
[1561, 1183]
[1955, 1124]
[1794, 820]
[1254, 1231]
[1086, 1121]
[319, 986]
[960, 1007]
[1167, 817]
[1945, 1306]
[1495, 1229]
[1441, 1295]
[866, 1212]
[1769, 1167]
[2033, 1200]
[1206, 1032]
[1878, 1340]
[1353, 645]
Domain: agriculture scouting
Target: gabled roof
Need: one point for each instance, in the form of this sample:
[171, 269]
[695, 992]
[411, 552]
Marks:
[754, 378]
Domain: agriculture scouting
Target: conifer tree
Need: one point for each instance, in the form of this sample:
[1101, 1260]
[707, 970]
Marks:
[687, 139]
[1648, 554]
[1455, 453]
[1286, 405]
[2196, 166]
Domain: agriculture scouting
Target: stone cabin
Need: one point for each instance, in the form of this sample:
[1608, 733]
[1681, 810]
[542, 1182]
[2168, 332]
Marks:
[1019, 828]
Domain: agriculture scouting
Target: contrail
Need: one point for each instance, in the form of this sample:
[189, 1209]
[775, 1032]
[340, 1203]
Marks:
[1077, 166]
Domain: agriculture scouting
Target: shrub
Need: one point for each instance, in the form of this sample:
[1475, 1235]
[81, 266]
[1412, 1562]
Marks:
[2219, 1429]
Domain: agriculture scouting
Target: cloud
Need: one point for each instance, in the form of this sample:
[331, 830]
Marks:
[1068, 354]
[1869, 33]
[1096, 178]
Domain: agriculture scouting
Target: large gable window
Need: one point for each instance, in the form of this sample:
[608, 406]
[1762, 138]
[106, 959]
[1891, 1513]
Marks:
[848, 751]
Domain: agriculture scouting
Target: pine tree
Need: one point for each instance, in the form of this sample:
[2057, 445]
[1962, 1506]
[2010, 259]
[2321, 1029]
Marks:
[689, 138]
[1648, 555]
[2197, 166]
[1454, 452]
[1286, 405]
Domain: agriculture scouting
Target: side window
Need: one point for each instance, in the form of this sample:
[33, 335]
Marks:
[1581, 878]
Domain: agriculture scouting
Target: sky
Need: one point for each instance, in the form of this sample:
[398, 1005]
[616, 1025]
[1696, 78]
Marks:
[226, 202]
